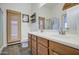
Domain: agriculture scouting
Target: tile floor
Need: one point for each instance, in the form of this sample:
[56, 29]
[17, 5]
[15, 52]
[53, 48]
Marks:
[16, 50]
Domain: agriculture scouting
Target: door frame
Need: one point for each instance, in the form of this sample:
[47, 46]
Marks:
[12, 11]
[43, 20]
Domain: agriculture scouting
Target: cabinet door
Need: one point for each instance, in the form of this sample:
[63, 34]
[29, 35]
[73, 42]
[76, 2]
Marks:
[34, 48]
[42, 50]
[43, 41]
[63, 49]
[33, 44]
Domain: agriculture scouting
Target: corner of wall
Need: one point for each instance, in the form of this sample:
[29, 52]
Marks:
[1, 49]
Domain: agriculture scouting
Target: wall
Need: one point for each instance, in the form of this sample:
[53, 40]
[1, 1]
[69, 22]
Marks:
[21, 7]
[1, 28]
[34, 9]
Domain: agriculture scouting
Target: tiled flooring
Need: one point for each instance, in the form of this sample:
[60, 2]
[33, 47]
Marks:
[16, 50]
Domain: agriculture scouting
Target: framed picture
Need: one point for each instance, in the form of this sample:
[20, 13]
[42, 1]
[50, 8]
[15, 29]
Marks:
[25, 18]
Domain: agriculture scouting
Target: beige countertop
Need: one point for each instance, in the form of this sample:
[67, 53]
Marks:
[71, 40]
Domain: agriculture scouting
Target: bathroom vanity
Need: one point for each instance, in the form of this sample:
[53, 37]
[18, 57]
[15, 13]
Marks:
[51, 43]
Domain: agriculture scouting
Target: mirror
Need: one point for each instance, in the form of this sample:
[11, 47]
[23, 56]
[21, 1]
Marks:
[73, 19]
[51, 22]
[58, 19]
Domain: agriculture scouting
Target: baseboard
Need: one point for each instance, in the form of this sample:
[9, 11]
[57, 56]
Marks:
[1, 49]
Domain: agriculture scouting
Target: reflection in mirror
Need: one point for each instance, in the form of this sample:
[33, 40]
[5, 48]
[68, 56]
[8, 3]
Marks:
[64, 22]
[58, 19]
[55, 23]
[48, 24]
[51, 22]
[41, 23]
[73, 19]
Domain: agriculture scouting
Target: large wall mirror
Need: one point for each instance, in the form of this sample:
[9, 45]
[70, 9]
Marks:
[51, 22]
[59, 16]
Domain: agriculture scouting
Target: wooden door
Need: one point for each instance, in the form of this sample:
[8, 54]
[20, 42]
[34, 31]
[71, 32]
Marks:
[13, 27]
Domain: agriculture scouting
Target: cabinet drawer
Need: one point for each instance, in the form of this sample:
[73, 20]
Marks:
[43, 41]
[33, 44]
[34, 37]
[63, 49]
[42, 50]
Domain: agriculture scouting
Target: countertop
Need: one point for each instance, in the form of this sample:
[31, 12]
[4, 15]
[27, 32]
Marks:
[71, 40]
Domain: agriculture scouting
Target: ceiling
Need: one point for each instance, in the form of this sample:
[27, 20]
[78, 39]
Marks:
[50, 5]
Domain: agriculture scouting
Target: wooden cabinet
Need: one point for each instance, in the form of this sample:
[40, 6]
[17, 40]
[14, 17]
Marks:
[43, 41]
[42, 46]
[34, 45]
[34, 49]
[62, 49]
[51, 52]
[42, 50]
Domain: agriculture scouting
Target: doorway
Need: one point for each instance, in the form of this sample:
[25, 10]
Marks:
[41, 23]
[13, 27]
